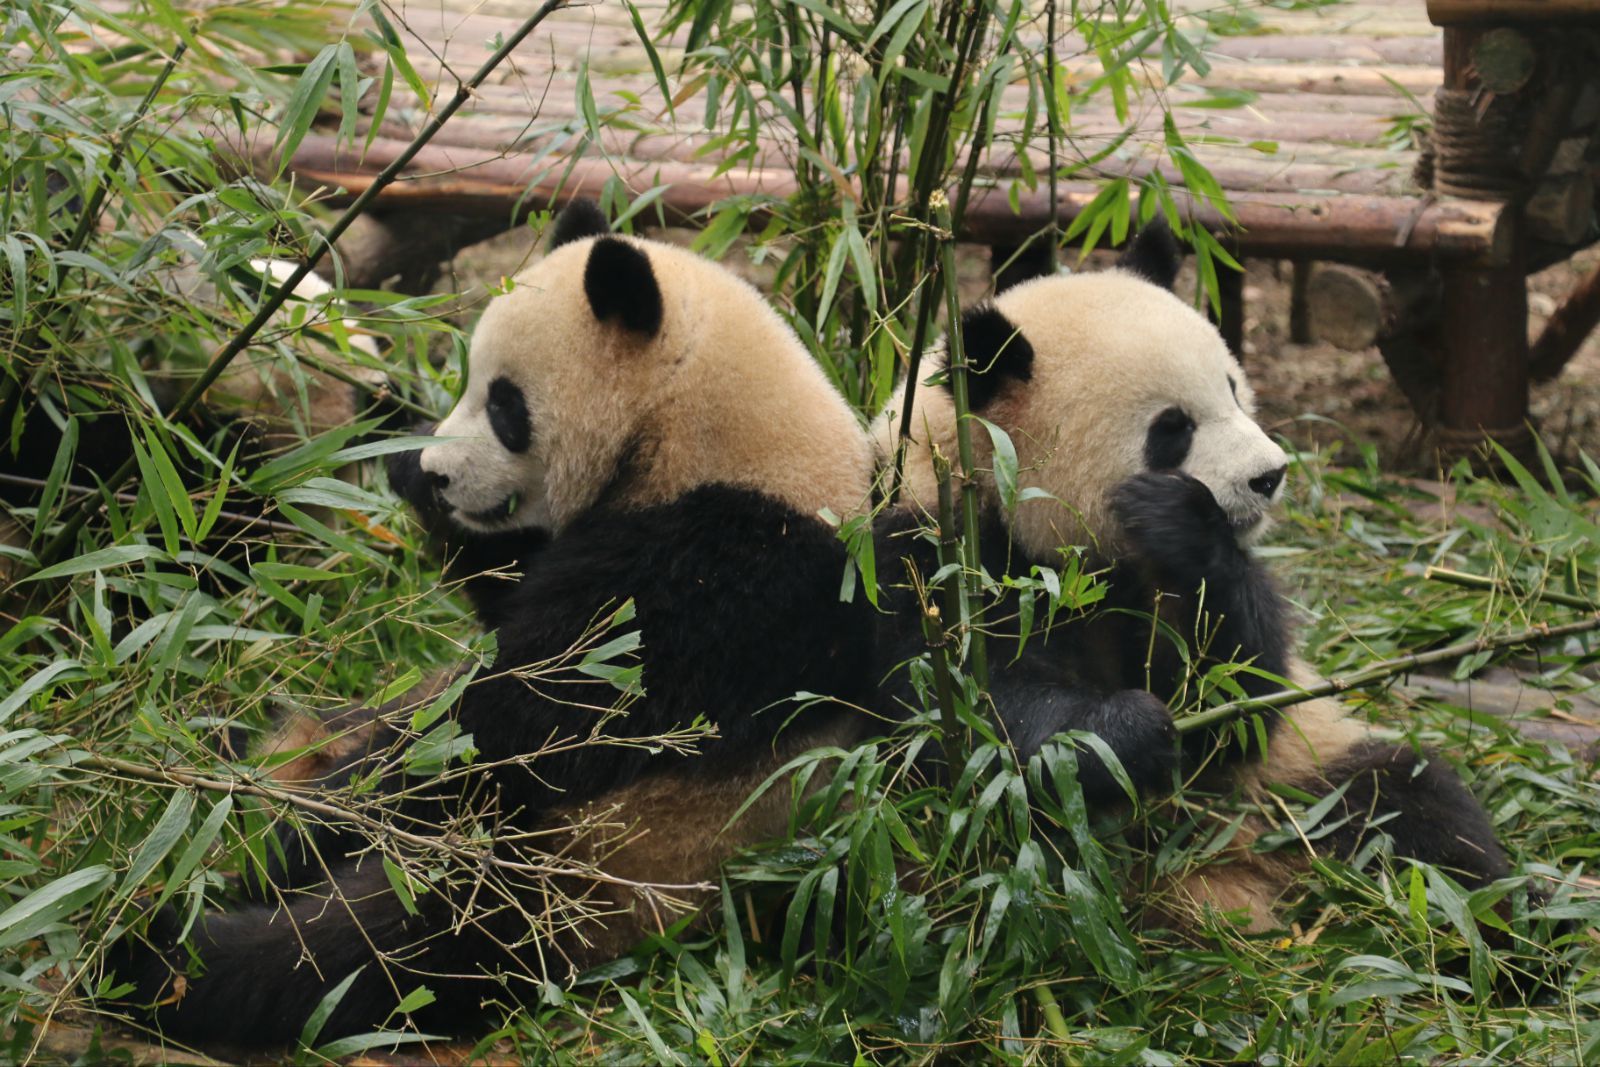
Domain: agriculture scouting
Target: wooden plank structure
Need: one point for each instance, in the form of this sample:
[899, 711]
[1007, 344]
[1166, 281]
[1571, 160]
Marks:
[1318, 166]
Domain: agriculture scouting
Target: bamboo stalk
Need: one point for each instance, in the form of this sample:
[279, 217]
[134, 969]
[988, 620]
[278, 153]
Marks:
[929, 172]
[1482, 581]
[68, 534]
[1378, 672]
[956, 359]
[1054, 1022]
[945, 645]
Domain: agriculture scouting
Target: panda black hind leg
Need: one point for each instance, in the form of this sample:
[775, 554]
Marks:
[1418, 800]
[266, 969]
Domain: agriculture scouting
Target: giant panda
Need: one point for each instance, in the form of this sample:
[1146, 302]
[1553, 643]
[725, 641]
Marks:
[636, 425]
[1134, 429]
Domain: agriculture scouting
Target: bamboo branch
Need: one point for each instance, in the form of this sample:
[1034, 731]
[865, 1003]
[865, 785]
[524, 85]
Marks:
[320, 247]
[471, 857]
[1378, 672]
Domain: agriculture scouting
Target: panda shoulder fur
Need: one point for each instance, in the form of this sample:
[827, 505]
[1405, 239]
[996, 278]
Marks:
[1136, 426]
[637, 424]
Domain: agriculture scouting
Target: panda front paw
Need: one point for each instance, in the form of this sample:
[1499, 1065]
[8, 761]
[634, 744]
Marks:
[1172, 523]
[1137, 727]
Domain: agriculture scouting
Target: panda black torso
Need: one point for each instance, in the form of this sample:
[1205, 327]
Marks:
[1104, 672]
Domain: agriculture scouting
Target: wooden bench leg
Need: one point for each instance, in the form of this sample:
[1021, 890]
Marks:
[1484, 335]
[1230, 322]
[1299, 302]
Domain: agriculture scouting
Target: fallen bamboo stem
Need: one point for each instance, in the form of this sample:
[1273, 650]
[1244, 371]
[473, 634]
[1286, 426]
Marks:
[1378, 672]
[323, 243]
[1484, 582]
[174, 776]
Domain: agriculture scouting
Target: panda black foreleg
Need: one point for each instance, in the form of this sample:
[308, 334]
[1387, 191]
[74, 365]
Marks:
[1417, 799]
[1213, 593]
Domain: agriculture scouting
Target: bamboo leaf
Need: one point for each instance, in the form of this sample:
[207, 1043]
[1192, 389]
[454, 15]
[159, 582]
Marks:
[50, 903]
[168, 831]
[100, 559]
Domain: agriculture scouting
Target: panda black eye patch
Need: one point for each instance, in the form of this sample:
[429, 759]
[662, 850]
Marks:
[508, 415]
[1166, 443]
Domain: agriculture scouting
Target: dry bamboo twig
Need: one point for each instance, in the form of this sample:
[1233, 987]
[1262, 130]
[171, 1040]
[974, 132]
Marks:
[188, 779]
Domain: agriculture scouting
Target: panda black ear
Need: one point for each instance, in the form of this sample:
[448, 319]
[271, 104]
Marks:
[1012, 265]
[622, 287]
[996, 353]
[1154, 255]
[579, 219]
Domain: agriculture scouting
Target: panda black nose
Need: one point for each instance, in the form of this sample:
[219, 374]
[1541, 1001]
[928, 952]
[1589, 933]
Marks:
[437, 483]
[1267, 484]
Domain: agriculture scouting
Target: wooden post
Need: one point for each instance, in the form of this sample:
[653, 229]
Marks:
[1299, 311]
[1483, 319]
[1484, 329]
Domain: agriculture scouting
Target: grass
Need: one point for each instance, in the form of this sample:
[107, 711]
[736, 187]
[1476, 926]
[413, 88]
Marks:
[918, 924]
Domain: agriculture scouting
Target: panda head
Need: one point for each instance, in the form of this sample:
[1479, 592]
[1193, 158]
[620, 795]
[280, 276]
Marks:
[624, 371]
[1097, 377]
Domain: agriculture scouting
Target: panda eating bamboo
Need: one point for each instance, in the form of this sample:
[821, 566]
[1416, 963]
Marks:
[1135, 429]
[637, 425]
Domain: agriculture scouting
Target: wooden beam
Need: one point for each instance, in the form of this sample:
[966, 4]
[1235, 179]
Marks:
[1513, 12]
[1286, 225]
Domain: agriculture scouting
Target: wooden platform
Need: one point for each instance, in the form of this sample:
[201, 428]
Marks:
[1316, 163]
[1319, 158]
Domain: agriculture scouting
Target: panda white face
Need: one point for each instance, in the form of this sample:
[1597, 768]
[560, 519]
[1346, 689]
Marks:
[1211, 435]
[489, 475]
[1096, 378]
[1125, 377]
[630, 372]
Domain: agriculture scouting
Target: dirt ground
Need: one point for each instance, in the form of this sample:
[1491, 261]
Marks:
[1311, 393]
